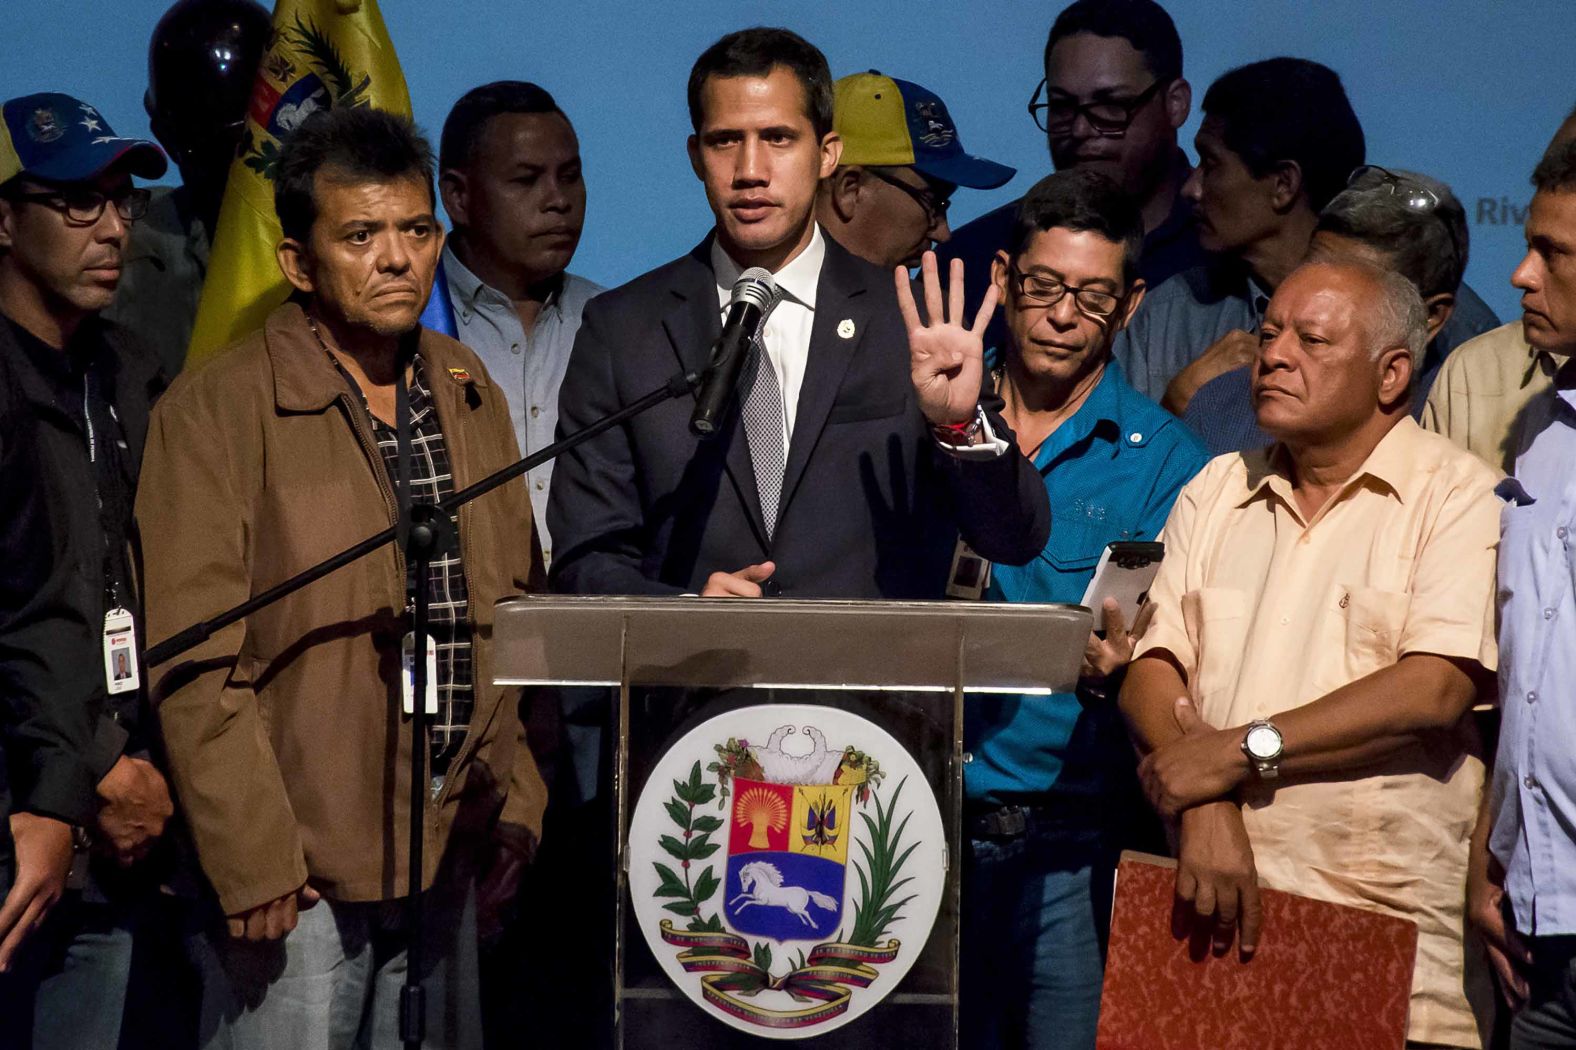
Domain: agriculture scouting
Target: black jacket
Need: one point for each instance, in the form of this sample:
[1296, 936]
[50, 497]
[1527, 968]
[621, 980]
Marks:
[129, 377]
[47, 691]
[870, 507]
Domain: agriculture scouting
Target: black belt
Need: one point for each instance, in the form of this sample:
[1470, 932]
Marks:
[1009, 822]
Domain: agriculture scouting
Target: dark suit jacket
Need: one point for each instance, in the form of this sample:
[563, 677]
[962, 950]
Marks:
[870, 507]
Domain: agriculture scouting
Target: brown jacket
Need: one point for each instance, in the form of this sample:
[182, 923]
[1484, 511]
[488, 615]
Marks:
[289, 753]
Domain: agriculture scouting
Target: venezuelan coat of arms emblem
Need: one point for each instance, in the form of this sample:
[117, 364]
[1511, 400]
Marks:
[786, 864]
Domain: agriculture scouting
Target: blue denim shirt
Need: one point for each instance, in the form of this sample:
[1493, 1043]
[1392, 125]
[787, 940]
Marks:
[1112, 472]
[1534, 787]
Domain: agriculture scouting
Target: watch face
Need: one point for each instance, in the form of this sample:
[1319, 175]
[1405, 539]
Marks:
[1263, 742]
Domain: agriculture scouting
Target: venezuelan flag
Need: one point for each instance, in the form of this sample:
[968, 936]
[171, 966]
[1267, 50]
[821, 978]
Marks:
[324, 53]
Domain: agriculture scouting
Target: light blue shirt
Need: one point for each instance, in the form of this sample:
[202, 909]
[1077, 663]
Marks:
[528, 368]
[1534, 789]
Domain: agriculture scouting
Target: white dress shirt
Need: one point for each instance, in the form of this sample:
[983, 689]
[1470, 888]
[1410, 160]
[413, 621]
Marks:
[787, 335]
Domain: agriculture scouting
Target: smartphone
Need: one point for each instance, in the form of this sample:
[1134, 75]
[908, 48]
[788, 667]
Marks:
[1126, 571]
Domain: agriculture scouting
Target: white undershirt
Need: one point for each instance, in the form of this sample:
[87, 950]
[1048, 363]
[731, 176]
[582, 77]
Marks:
[787, 335]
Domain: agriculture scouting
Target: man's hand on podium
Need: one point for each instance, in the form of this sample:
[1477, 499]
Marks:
[746, 583]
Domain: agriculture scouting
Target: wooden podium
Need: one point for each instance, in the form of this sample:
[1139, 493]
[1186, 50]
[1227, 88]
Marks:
[676, 662]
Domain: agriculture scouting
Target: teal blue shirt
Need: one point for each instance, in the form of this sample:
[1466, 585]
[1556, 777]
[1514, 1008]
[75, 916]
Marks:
[1112, 472]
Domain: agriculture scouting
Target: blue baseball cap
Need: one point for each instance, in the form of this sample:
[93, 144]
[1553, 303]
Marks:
[895, 123]
[57, 138]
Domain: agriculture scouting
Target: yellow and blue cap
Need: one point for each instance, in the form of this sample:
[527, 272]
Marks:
[57, 138]
[895, 123]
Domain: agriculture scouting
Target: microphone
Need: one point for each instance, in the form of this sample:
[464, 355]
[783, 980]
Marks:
[754, 295]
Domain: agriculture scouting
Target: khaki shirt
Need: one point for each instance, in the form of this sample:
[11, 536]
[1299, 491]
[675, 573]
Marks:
[1266, 612]
[1482, 392]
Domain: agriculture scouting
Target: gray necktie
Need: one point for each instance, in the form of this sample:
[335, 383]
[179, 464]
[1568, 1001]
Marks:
[764, 429]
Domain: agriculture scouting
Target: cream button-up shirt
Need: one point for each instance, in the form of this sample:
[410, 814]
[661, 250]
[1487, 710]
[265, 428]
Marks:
[1267, 611]
[1481, 394]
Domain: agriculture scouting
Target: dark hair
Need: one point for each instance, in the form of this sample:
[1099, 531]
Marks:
[1428, 248]
[468, 119]
[353, 143]
[1290, 109]
[1080, 199]
[1556, 172]
[1142, 23]
[755, 53]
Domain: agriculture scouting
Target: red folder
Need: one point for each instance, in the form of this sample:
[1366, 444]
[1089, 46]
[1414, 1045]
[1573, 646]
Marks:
[1324, 975]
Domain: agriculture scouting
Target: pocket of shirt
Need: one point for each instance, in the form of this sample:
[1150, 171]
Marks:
[1374, 621]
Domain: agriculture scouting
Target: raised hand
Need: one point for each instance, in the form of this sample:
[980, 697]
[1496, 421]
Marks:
[947, 359]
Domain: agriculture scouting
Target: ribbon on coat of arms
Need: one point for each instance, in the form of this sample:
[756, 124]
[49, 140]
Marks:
[827, 974]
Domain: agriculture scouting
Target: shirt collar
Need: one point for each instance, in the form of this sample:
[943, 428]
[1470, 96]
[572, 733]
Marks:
[1393, 463]
[466, 287]
[798, 280]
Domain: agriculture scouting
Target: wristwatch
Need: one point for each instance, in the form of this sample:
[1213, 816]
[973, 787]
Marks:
[1263, 746]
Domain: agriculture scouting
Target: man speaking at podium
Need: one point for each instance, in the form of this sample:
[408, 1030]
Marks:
[852, 466]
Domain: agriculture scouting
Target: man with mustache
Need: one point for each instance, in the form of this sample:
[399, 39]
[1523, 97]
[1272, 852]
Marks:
[902, 159]
[67, 207]
[288, 736]
[831, 481]
[510, 174]
[1324, 621]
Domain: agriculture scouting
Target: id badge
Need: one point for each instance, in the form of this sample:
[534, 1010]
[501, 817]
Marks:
[970, 574]
[408, 674]
[120, 652]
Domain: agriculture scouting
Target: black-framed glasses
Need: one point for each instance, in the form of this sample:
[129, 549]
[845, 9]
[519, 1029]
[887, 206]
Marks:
[1109, 118]
[935, 207]
[1411, 194]
[1048, 291]
[85, 206]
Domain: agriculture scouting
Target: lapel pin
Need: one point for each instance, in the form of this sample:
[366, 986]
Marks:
[459, 375]
[845, 328]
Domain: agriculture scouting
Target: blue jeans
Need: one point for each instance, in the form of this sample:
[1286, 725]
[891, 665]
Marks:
[333, 982]
[1036, 913]
[67, 990]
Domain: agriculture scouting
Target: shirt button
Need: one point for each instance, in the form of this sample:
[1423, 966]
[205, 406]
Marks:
[1530, 782]
[465, 315]
[536, 410]
[540, 486]
[1285, 620]
[514, 348]
[968, 756]
[1135, 437]
[1562, 532]
[1532, 697]
[1548, 614]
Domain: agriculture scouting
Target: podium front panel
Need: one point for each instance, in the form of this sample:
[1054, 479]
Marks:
[900, 670]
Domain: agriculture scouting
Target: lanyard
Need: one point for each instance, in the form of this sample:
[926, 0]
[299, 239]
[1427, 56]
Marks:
[111, 590]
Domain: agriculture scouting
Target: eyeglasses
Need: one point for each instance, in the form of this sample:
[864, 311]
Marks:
[1411, 194]
[1048, 291]
[85, 206]
[1108, 117]
[935, 207]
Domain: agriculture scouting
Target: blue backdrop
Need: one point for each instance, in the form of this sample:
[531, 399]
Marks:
[1465, 90]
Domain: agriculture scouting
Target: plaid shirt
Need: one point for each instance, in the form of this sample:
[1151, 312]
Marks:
[448, 607]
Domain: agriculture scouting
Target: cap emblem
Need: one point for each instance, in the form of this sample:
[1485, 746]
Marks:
[44, 126]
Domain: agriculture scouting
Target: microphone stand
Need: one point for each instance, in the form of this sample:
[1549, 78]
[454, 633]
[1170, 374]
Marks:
[424, 535]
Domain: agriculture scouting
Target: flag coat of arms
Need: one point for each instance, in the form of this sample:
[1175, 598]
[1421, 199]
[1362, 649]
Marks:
[322, 53]
[786, 866]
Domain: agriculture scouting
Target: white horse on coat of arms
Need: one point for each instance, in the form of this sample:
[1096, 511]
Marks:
[762, 883]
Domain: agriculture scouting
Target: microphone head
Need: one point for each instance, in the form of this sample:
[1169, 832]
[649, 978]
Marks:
[754, 286]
